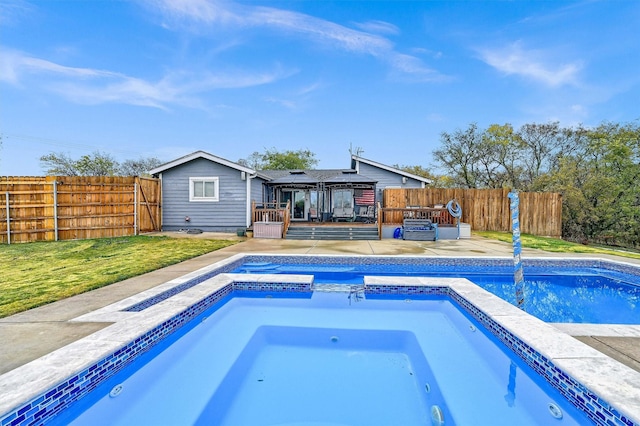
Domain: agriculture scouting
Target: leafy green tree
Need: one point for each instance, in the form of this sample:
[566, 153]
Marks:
[437, 181]
[96, 164]
[272, 159]
[541, 144]
[597, 171]
[59, 164]
[416, 170]
[459, 156]
[613, 193]
[502, 157]
[139, 167]
[599, 178]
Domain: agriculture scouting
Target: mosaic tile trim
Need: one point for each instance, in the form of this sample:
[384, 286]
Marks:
[408, 290]
[141, 306]
[272, 287]
[52, 402]
[597, 409]
[417, 260]
[375, 260]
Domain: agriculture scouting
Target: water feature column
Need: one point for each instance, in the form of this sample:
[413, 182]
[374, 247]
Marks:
[518, 275]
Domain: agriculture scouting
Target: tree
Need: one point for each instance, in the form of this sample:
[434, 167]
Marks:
[541, 144]
[437, 181]
[59, 164]
[272, 159]
[415, 170]
[96, 164]
[502, 157]
[459, 155]
[139, 167]
[598, 174]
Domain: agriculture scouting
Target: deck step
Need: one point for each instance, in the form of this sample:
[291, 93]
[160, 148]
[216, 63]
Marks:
[333, 233]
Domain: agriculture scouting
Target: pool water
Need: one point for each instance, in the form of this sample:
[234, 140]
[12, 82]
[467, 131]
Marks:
[328, 375]
[325, 358]
[552, 294]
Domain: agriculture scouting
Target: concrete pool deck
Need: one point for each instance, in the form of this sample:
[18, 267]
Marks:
[29, 335]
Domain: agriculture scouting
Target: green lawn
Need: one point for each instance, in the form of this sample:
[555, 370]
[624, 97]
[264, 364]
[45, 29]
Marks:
[555, 244]
[34, 274]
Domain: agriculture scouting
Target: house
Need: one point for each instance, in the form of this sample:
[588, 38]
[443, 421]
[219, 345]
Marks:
[203, 191]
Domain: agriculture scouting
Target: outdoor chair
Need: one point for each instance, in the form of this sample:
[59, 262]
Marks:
[366, 214]
[346, 214]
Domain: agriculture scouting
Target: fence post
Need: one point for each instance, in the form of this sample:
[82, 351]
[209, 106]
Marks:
[6, 196]
[55, 209]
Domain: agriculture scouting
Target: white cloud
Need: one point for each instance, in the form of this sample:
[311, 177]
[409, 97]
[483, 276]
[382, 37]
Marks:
[12, 11]
[198, 10]
[91, 86]
[212, 14]
[289, 104]
[415, 68]
[310, 88]
[532, 64]
[15, 64]
[379, 27]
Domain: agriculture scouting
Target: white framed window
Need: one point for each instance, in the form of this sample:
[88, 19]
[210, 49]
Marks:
[203, 188]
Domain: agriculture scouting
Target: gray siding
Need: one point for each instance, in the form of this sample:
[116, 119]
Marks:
[386, 178]
[257, 185]
[225, 215]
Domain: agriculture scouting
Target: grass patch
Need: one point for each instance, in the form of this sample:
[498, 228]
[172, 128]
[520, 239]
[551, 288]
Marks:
[555, 245]
[35, 274]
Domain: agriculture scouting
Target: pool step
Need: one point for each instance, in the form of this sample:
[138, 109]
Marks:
[333, 232]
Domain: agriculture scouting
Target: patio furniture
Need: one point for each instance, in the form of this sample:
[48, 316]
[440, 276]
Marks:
[366, 214]
[419, 230]
[346, 214]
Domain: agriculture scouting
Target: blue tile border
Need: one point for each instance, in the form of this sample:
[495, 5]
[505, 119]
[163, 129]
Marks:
[279, 287]
[138, 307]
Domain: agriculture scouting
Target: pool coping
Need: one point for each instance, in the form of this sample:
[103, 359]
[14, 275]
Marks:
[607, 378]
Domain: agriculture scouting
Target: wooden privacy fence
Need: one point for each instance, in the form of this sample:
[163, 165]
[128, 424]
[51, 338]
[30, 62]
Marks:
[68, 208]
[485, 209]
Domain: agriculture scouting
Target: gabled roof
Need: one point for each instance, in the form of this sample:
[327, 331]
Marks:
[355, 159]
[206, 156]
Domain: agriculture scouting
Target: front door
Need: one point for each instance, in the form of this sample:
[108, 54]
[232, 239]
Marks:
[298, 206]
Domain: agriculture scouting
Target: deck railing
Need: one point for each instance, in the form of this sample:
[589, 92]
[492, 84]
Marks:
[439, 215]
[272, 212]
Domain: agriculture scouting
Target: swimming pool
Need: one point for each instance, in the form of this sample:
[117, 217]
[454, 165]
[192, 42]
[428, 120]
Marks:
[555, 291]
[327, 359]
[601, 387]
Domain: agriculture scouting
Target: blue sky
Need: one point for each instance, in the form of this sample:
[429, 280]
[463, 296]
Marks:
[164, 78]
